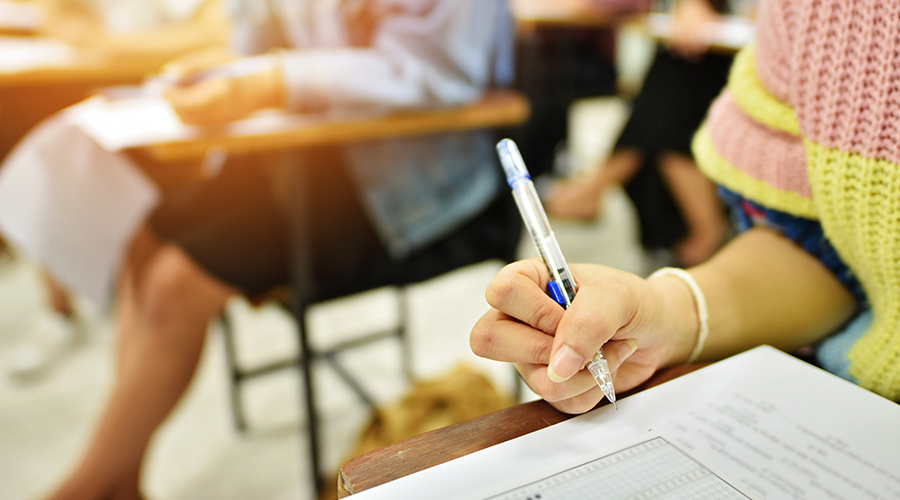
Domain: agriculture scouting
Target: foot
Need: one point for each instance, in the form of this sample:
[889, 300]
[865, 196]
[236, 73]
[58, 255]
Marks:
[699, 245]
[578, 199]
[48, 337]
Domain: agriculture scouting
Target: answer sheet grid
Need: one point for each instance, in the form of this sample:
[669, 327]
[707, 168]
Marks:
[652, 470]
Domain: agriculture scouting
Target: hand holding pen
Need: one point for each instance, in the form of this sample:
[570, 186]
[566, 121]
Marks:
[216, 89]
[562, 285]
[642, 324]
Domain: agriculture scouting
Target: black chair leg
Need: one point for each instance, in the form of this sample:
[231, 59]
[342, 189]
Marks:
[403, 334]
[312, 418]
[237, 404]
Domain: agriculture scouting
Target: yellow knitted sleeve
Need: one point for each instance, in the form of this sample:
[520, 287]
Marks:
[753, 98]
[859, 208]
[856, 200]
[760, 105]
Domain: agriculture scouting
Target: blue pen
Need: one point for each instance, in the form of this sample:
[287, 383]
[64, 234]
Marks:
[561, 286]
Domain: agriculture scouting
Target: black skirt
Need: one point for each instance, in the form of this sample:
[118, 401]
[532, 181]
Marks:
[670, 107]
[236, 228]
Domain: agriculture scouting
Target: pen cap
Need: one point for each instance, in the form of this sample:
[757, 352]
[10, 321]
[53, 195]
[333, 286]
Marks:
[511, 159]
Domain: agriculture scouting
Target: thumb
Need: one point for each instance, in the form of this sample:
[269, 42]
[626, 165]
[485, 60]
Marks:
[600, 309]
[564, 363]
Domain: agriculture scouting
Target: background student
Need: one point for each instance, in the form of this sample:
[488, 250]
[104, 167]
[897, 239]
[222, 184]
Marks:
[385, 205]
[676, 205]
[142, 34]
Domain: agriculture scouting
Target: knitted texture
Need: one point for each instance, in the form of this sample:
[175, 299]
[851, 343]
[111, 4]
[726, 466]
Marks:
[859, 208]
[754, 98]
[836, 63]
[760, 181]
[846, 90]
[775, 38]
[846, 70]
[745, 116]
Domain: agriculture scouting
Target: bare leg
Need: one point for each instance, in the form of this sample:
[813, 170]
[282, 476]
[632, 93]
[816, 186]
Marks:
[581, 198]
[695, 196]
[59, 299]
[165, 304]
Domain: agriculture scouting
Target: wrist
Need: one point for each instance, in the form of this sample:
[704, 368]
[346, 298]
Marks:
[680, 322]
[269, 88]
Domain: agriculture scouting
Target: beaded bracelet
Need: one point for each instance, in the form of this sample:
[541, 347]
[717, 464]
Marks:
[699, 300]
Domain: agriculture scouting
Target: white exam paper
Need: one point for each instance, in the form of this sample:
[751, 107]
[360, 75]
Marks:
[134, 121]
[779, 427]
[73, 206]
[117, 124]
[733, 33]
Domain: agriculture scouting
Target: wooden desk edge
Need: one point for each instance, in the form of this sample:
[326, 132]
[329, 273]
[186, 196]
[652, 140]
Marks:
[497, 108]
[598, 18]
[429, 449]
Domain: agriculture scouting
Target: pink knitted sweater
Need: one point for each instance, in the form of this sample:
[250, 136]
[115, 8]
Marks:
[809, 124]
[837, 64]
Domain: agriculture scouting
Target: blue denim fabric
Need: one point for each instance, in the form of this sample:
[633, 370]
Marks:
[804, 232]
[830, 353]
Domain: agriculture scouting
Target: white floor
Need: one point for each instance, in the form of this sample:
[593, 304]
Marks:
[198, 454]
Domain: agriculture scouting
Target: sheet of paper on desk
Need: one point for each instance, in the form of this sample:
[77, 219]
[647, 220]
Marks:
[778, 427]
[19, 54]
[117, 124]
[650, 466]
[122, 123]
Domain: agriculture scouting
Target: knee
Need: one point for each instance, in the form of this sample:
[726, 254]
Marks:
[171, 289]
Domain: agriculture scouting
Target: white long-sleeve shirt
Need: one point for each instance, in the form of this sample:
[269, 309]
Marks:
[397, 54]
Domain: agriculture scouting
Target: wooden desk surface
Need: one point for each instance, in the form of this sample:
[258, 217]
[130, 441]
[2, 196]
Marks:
[88, 73]
[533, 14]
[497, 109]
[78, 67]
[442, 445]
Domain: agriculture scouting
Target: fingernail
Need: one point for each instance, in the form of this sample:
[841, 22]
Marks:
[565, 363]
[627, 348]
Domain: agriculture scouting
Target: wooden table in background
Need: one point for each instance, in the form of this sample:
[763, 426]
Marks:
[534, 14]
[30, 95]
[442, 445]
[498, 108]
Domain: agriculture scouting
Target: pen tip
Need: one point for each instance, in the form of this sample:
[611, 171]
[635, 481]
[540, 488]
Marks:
[615, 406]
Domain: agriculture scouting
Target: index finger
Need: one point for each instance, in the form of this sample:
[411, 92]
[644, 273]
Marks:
[195, 62]
[519, 290]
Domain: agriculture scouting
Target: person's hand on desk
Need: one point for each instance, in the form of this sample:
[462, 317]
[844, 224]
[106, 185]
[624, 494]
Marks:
[550, 346]
[760, 289]
[207, 91]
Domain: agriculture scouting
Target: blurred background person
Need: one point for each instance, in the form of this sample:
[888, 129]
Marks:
[677, 206]
[384, 209]
[565, 52]
[153, 32]
[141, 33]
